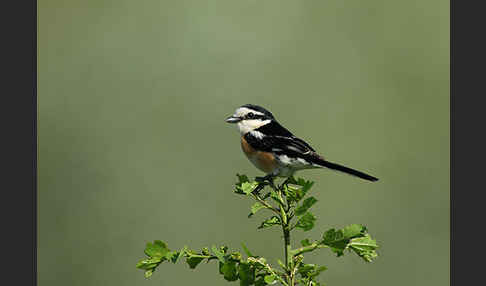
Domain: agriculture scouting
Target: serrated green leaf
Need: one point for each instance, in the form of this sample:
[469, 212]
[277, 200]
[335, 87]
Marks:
[305, 242]
[160, 243]
[306, 205]
[229, 271]
[290, 193]
[274, 220]
[353, 230]
[141, 263]
[150, 263]
[304, 269]
[241, 179]
[269, 279]
[310, 270]
[362, 244]
[156, 249]
[307, 185]
[306, 222]
[246, 273]
[248, 187]
[365, 247]
[193, 261]
[295, 194]
[335, 240]
[255, 208]
[245, 249]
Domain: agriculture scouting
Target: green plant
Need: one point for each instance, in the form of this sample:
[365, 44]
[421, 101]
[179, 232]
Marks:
[290, 208]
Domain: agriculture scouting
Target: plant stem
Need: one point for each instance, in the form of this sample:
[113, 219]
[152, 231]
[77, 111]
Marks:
[267, 205]
[288, 255]
[285, 217]
[286, 232]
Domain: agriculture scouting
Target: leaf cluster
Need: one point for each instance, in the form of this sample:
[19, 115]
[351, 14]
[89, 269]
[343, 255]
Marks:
[290, 208]
[253, 270]
[353, 238]
[287, 197]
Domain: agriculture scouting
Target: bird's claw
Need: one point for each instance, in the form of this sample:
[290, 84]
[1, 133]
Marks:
[268, 178]
[260, 179]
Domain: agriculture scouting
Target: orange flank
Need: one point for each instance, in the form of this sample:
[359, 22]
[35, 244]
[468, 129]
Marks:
[265, 161]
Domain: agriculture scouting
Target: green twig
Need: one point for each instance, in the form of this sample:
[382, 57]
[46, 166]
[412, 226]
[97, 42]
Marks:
[308, 248]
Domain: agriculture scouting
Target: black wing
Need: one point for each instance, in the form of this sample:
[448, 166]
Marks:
[274, 129]
[280, 141]
[275, 132]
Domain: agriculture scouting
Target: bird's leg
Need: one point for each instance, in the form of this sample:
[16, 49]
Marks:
[262, 182]
[259, 188]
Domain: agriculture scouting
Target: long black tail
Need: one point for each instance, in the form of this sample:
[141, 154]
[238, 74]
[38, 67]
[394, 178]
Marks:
[344, 169]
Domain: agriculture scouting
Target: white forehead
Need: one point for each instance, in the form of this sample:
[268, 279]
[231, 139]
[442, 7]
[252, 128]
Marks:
[242, 111]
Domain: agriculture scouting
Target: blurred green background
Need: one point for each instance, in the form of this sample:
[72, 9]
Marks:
[133, 146]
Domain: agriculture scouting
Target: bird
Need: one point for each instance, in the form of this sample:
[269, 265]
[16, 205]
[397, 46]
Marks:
[275, 150]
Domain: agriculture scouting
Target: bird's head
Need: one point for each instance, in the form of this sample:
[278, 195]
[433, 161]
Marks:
[249, 117]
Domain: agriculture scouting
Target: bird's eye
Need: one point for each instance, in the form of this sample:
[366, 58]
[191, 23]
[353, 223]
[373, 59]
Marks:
[250, 115]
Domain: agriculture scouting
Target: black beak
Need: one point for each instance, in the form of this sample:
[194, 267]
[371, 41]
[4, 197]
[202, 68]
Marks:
[233, 119]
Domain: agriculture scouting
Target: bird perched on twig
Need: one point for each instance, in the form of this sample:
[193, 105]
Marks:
[275, 150]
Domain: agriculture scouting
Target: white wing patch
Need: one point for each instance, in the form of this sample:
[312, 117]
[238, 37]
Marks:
[257, 134]
[295, 163]
[285, 159]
